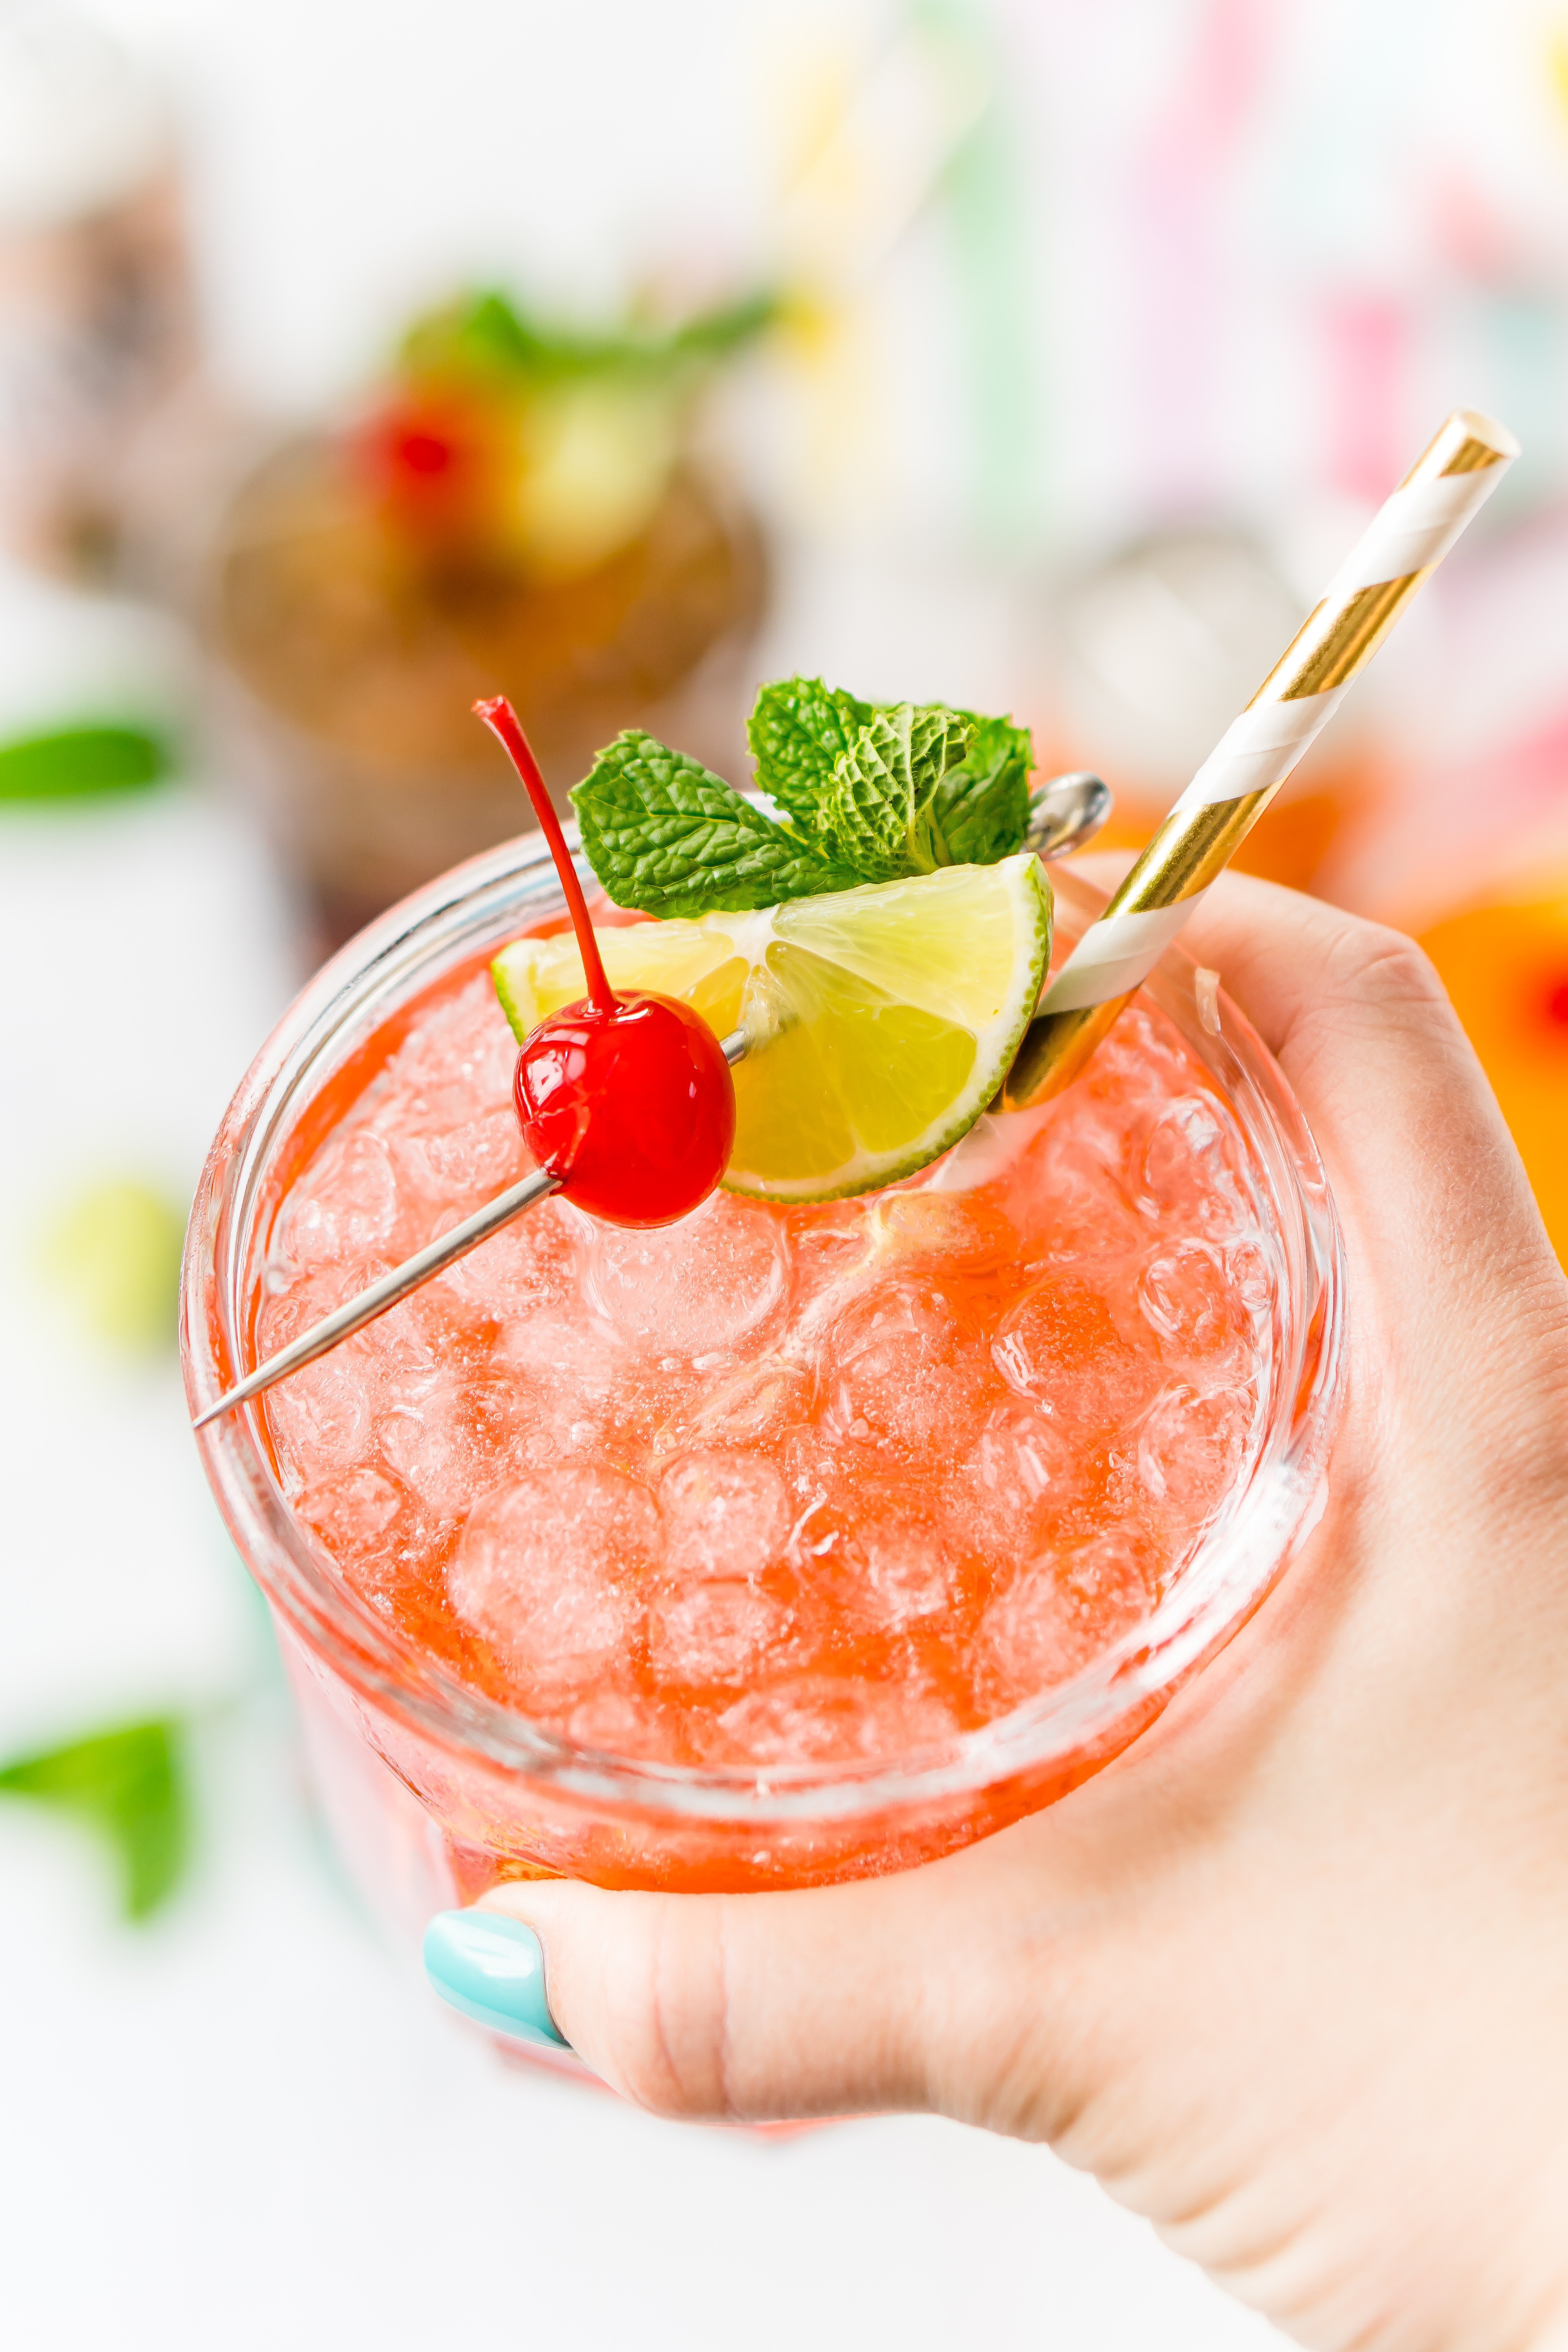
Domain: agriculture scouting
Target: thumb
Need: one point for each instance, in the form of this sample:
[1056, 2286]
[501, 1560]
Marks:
[1400, 1106]
[824, 2000]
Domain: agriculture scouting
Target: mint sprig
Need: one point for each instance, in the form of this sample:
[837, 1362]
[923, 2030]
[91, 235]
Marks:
[866, 793]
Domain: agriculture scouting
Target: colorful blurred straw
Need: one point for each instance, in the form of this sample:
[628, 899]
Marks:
[1406, 542]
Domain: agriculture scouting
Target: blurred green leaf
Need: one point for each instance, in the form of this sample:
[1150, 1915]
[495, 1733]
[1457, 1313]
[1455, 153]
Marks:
[116, 1251]
[488, 335]
[130, 1786]
[75, 762]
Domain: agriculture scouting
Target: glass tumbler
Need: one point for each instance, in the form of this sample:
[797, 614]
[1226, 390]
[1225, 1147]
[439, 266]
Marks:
[433, 1792]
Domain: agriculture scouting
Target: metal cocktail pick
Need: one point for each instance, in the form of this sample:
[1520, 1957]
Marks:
[1063, 815]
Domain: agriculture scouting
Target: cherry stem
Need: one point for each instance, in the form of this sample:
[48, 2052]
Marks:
[502, 722]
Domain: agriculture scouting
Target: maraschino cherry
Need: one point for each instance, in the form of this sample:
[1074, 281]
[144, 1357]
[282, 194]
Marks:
[626, 1100]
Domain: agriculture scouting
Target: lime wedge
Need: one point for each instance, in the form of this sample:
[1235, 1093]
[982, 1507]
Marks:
[880, 1020]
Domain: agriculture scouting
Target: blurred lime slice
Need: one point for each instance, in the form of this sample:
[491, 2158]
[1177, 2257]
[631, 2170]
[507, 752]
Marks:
[116, 1251]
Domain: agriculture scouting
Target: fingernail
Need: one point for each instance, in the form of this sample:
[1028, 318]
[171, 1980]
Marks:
[492, 1968]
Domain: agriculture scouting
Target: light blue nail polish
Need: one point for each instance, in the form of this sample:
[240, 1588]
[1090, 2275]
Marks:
[492, 1968]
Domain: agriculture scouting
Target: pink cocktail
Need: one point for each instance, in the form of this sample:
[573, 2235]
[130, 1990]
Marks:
[779, 1545]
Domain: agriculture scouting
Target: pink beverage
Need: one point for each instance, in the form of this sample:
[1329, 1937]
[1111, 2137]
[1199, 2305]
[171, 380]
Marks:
[779, 1545]
[772, 1485]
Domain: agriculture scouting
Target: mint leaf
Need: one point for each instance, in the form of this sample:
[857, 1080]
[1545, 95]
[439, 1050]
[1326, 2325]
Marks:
[881, 817]
[665, 834]
[798, 730]
[129, 1786]
[982, 806]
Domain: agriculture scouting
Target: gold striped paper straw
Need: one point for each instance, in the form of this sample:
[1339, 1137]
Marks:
[1404, 546]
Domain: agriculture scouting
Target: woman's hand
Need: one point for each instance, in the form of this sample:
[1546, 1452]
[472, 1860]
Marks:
[1291, 1975]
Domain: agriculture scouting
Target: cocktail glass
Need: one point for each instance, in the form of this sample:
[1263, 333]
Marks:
[431, 1790]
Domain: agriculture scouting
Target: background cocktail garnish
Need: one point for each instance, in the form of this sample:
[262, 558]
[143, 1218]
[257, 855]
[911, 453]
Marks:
[514, 444]
[1407, 541]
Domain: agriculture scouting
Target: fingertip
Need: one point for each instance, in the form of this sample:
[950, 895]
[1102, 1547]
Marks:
[491, 1967]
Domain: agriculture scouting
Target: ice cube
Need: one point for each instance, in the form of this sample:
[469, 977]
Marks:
[363, 1519]
[406, 1350]
[1142, 1063]
[908, 1566]
[619, 1722]
[1185, 1294]
[907, 1377]
[1191, 1444]
[1250, 1277]
[1060, 1347]
[552, 1568]
[959, 1231]
[549, 1349]
[1191, 1170]
[528, 1265]
[291, 1303]
[725, 1515]
[318, 1418]
[363, 1503]
[755, 1404]
[1069, 1192]
[344, 1205]
[1056, 1615]
[349, 1512]
[713, 1634]
[874, 1553]
[464, 1163]
[832, 1248]
[694, 1289]
[1009, 1496]
[446, 1445]
[458, 1059]
[822, 1718]
[1020, 1455]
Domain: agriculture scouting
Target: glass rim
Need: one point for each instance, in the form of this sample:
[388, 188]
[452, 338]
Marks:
[456, 919]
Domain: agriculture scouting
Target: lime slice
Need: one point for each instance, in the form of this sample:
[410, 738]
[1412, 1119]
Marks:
[880, 1020]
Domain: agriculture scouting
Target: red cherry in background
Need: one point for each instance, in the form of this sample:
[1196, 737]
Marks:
[626, 1100]
[633, 1110]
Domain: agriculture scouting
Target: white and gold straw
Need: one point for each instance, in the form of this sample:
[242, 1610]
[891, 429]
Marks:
[1404, 546]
